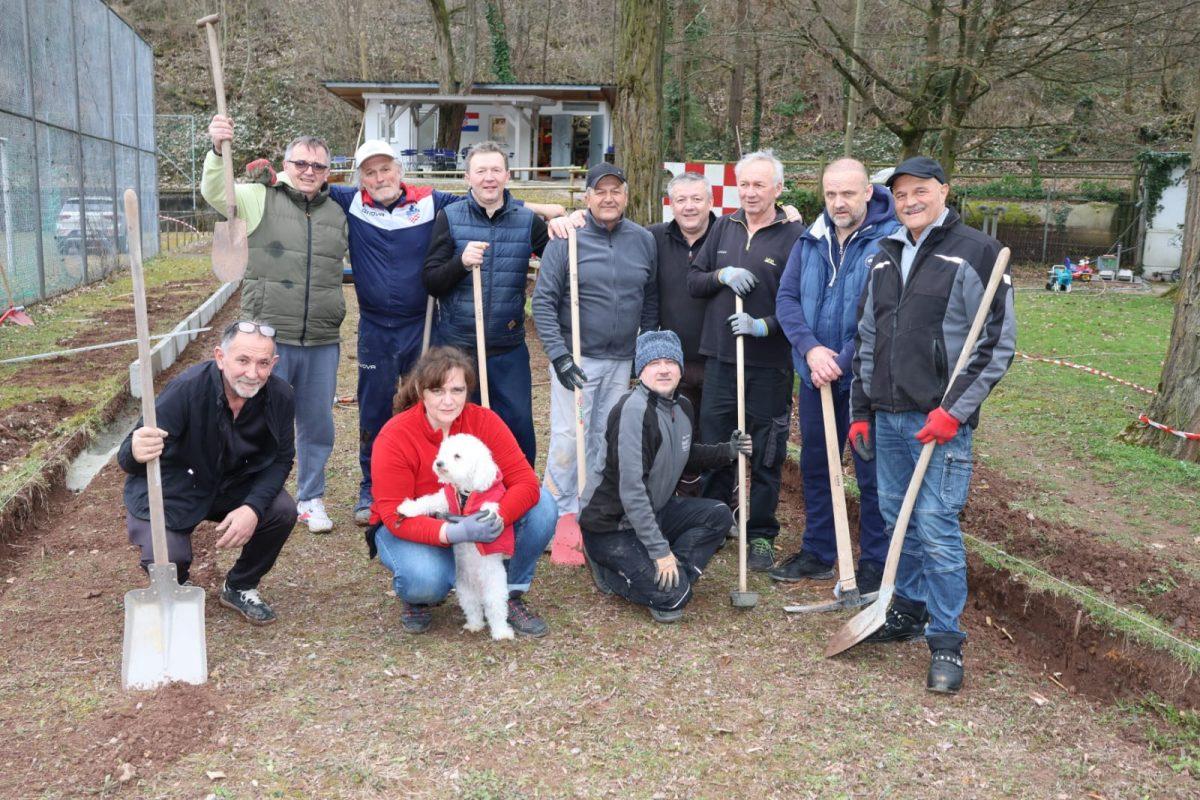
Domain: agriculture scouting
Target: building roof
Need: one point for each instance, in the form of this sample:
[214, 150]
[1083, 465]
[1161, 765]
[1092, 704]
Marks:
[353, 91]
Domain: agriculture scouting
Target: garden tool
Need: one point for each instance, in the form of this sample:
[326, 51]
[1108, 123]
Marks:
[567, 547]
[741, 597]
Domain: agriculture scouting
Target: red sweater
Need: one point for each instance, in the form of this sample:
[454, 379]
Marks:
[402, 468]
[506, 542]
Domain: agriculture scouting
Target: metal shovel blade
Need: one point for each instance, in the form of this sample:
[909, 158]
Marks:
[864, 624]
[164, 633]
[844, 600]
[230, 250]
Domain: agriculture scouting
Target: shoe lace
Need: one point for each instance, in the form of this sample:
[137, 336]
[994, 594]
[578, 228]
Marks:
[415, 610]
[762, 547]
[251, 596]
[518, 610]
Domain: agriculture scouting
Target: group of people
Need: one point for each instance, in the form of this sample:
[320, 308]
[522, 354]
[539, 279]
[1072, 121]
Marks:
[873, 301]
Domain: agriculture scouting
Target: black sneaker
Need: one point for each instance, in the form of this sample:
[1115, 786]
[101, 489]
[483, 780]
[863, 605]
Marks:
[248, 603]
[870, 575]
[666, 616]
[524, 621]
[945, 672]
[416, 617]
[760, 555]
[802, 566]
[899, 626]
[597, 577]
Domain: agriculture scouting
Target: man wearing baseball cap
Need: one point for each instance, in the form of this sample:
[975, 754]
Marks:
[904, 353]
[641, 541]
[618, 295]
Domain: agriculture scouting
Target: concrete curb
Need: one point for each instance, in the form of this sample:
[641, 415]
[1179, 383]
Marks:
[165, 353]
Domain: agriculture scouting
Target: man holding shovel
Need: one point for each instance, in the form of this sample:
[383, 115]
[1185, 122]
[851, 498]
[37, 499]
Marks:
[925, 287]
[817, 307]
[293, 282]
[225, 445]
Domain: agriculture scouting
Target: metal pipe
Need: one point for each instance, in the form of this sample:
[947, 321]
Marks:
[56, 353]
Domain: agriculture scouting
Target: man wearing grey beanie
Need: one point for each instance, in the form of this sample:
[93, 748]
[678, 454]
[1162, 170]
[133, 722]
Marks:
[641, 541]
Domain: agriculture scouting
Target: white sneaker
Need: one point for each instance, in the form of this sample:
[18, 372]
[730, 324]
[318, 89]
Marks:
[312, 513]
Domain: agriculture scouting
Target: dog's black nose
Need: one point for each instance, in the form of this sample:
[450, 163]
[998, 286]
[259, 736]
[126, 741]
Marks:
[438, 463]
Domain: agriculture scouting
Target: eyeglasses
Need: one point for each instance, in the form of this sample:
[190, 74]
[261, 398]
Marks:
[305, 166]
[256, 327]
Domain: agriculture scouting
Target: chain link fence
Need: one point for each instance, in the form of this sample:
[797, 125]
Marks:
[76, 131]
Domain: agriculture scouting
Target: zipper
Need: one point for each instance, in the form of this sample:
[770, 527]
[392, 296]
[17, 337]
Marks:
[307, 275]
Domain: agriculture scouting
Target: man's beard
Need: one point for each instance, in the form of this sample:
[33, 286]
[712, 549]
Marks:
[247, 389]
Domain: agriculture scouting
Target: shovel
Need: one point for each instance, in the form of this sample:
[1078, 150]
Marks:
[567, 546]
[230, 250]
[872, 618]
[741, 597]
[480, 344]
[164, 624]
[845, 592]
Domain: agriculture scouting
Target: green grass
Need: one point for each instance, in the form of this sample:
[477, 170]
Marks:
[1173, 733]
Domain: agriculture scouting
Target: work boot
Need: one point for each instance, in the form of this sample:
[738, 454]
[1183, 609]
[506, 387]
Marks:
[802, 566]
[597, 576]
[869, 576]
[248, 603]
[945, 671]
[362, 509]
[666, 616]
[524, 620]
[760, 555]
[901, 625]
[416, 617]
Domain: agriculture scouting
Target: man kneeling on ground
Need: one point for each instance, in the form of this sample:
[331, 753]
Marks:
[225, 444]
[641, 542]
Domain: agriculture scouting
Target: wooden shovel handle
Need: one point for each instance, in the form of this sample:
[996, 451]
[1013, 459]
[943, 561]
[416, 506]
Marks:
[837, 489]
[743, 501]
[580, 448]
[209, 24]
[480, 343]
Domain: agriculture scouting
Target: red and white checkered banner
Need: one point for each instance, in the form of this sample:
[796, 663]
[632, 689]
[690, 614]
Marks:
[724, 185]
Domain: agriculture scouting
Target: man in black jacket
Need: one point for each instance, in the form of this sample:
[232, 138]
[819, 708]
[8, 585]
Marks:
[225, 444]
[641, 542]
[925, 286]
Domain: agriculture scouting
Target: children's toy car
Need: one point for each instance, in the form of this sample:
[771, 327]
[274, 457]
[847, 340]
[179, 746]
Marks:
[1059, 279]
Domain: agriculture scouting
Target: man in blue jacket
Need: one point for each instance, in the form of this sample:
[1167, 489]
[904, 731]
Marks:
[817, 307]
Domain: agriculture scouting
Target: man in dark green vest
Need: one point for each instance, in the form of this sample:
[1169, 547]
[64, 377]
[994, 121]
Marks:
[294, 283]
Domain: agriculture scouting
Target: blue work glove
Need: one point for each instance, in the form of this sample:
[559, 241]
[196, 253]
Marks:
[742, 281]
[568, 373]
[482, 526]
[745, 325]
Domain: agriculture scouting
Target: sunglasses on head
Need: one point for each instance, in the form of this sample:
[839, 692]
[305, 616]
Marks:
[256, 327]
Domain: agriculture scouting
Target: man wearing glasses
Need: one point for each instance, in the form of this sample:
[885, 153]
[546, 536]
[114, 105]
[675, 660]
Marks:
[225, 447]
[293, 282]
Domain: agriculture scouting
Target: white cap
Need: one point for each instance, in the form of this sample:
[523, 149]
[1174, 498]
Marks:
[372, 147]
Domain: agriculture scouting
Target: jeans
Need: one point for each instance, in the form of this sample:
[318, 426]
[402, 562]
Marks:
[424, 573]
[384, 354]
[933, 561]
[768, 416]
[694, 527]
[607, 382]
[510, 388]
[257, 557]
[819, 537]
[312, 373]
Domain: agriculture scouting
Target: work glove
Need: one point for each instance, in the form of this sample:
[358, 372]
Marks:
[568, 373]
[939, 427]
[860, 439]
[742, 281]
[745, 325]
[666, 572]
[738, 443]
[261, 171]
[482, 526]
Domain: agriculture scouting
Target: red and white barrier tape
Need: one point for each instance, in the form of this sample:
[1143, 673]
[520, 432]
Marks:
[188, 225]
[1108, 375]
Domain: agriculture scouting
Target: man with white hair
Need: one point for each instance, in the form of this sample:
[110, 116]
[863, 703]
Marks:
[745, 254]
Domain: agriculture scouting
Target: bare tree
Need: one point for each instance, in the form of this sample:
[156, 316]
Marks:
[637, 124]
[451, 115]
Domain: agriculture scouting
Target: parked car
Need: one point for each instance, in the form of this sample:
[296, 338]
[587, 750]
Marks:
[100, 217]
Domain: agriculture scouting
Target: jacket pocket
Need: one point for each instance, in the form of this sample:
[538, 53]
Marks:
[775, 450]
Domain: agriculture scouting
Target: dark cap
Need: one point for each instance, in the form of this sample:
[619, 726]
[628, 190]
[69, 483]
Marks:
[601, 170]
[918, 167]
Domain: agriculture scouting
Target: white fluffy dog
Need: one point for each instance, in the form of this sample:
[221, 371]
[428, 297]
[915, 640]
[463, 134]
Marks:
[481, 581]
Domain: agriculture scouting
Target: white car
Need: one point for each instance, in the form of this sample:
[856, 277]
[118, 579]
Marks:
[100, 216]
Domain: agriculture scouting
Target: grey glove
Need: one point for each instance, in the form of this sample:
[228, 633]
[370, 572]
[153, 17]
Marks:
[745, 325]
[568, 373]
[738, 443]
[742, 281]
[482, 526]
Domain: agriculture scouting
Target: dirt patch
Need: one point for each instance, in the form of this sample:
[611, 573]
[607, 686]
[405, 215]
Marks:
[28, 422]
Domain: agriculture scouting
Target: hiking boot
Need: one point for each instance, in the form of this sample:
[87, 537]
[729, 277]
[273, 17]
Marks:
[666, 616]
[802, 566]
[870, 575]
[524, 621]
[248, 603]
[899, 626]
[416, 617]
[945, 671]
[760, 555]
[312, 513]
[597, 576]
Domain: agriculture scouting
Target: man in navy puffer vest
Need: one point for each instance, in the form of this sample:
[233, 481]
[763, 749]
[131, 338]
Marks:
[490, 232]
[817, 308]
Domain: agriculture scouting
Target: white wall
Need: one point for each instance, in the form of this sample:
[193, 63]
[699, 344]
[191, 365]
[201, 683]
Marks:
[1163, 246]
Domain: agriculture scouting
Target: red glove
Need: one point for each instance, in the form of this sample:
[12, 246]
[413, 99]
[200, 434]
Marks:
[939, 426]
[261, 171]
[860, 439]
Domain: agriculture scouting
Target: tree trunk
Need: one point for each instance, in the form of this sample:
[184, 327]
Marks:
[737, 78]
[756, 111]
[450, 116]
[637, 123]
[685, 12]
[1178, 401]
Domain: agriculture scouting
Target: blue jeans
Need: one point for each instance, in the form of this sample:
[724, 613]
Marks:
[384, 354]
[510, 391]
[424, 573]
[312, 373]
[933, 562]
[814, 467]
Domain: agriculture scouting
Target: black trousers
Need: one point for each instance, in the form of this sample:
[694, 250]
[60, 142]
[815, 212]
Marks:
[768, 415]
[691, 386]
[257, 557]
[693, 527]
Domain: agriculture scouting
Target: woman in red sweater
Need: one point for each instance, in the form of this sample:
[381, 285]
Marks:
[432, 404]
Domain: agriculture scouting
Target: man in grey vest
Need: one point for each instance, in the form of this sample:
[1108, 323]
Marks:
[294, 284]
